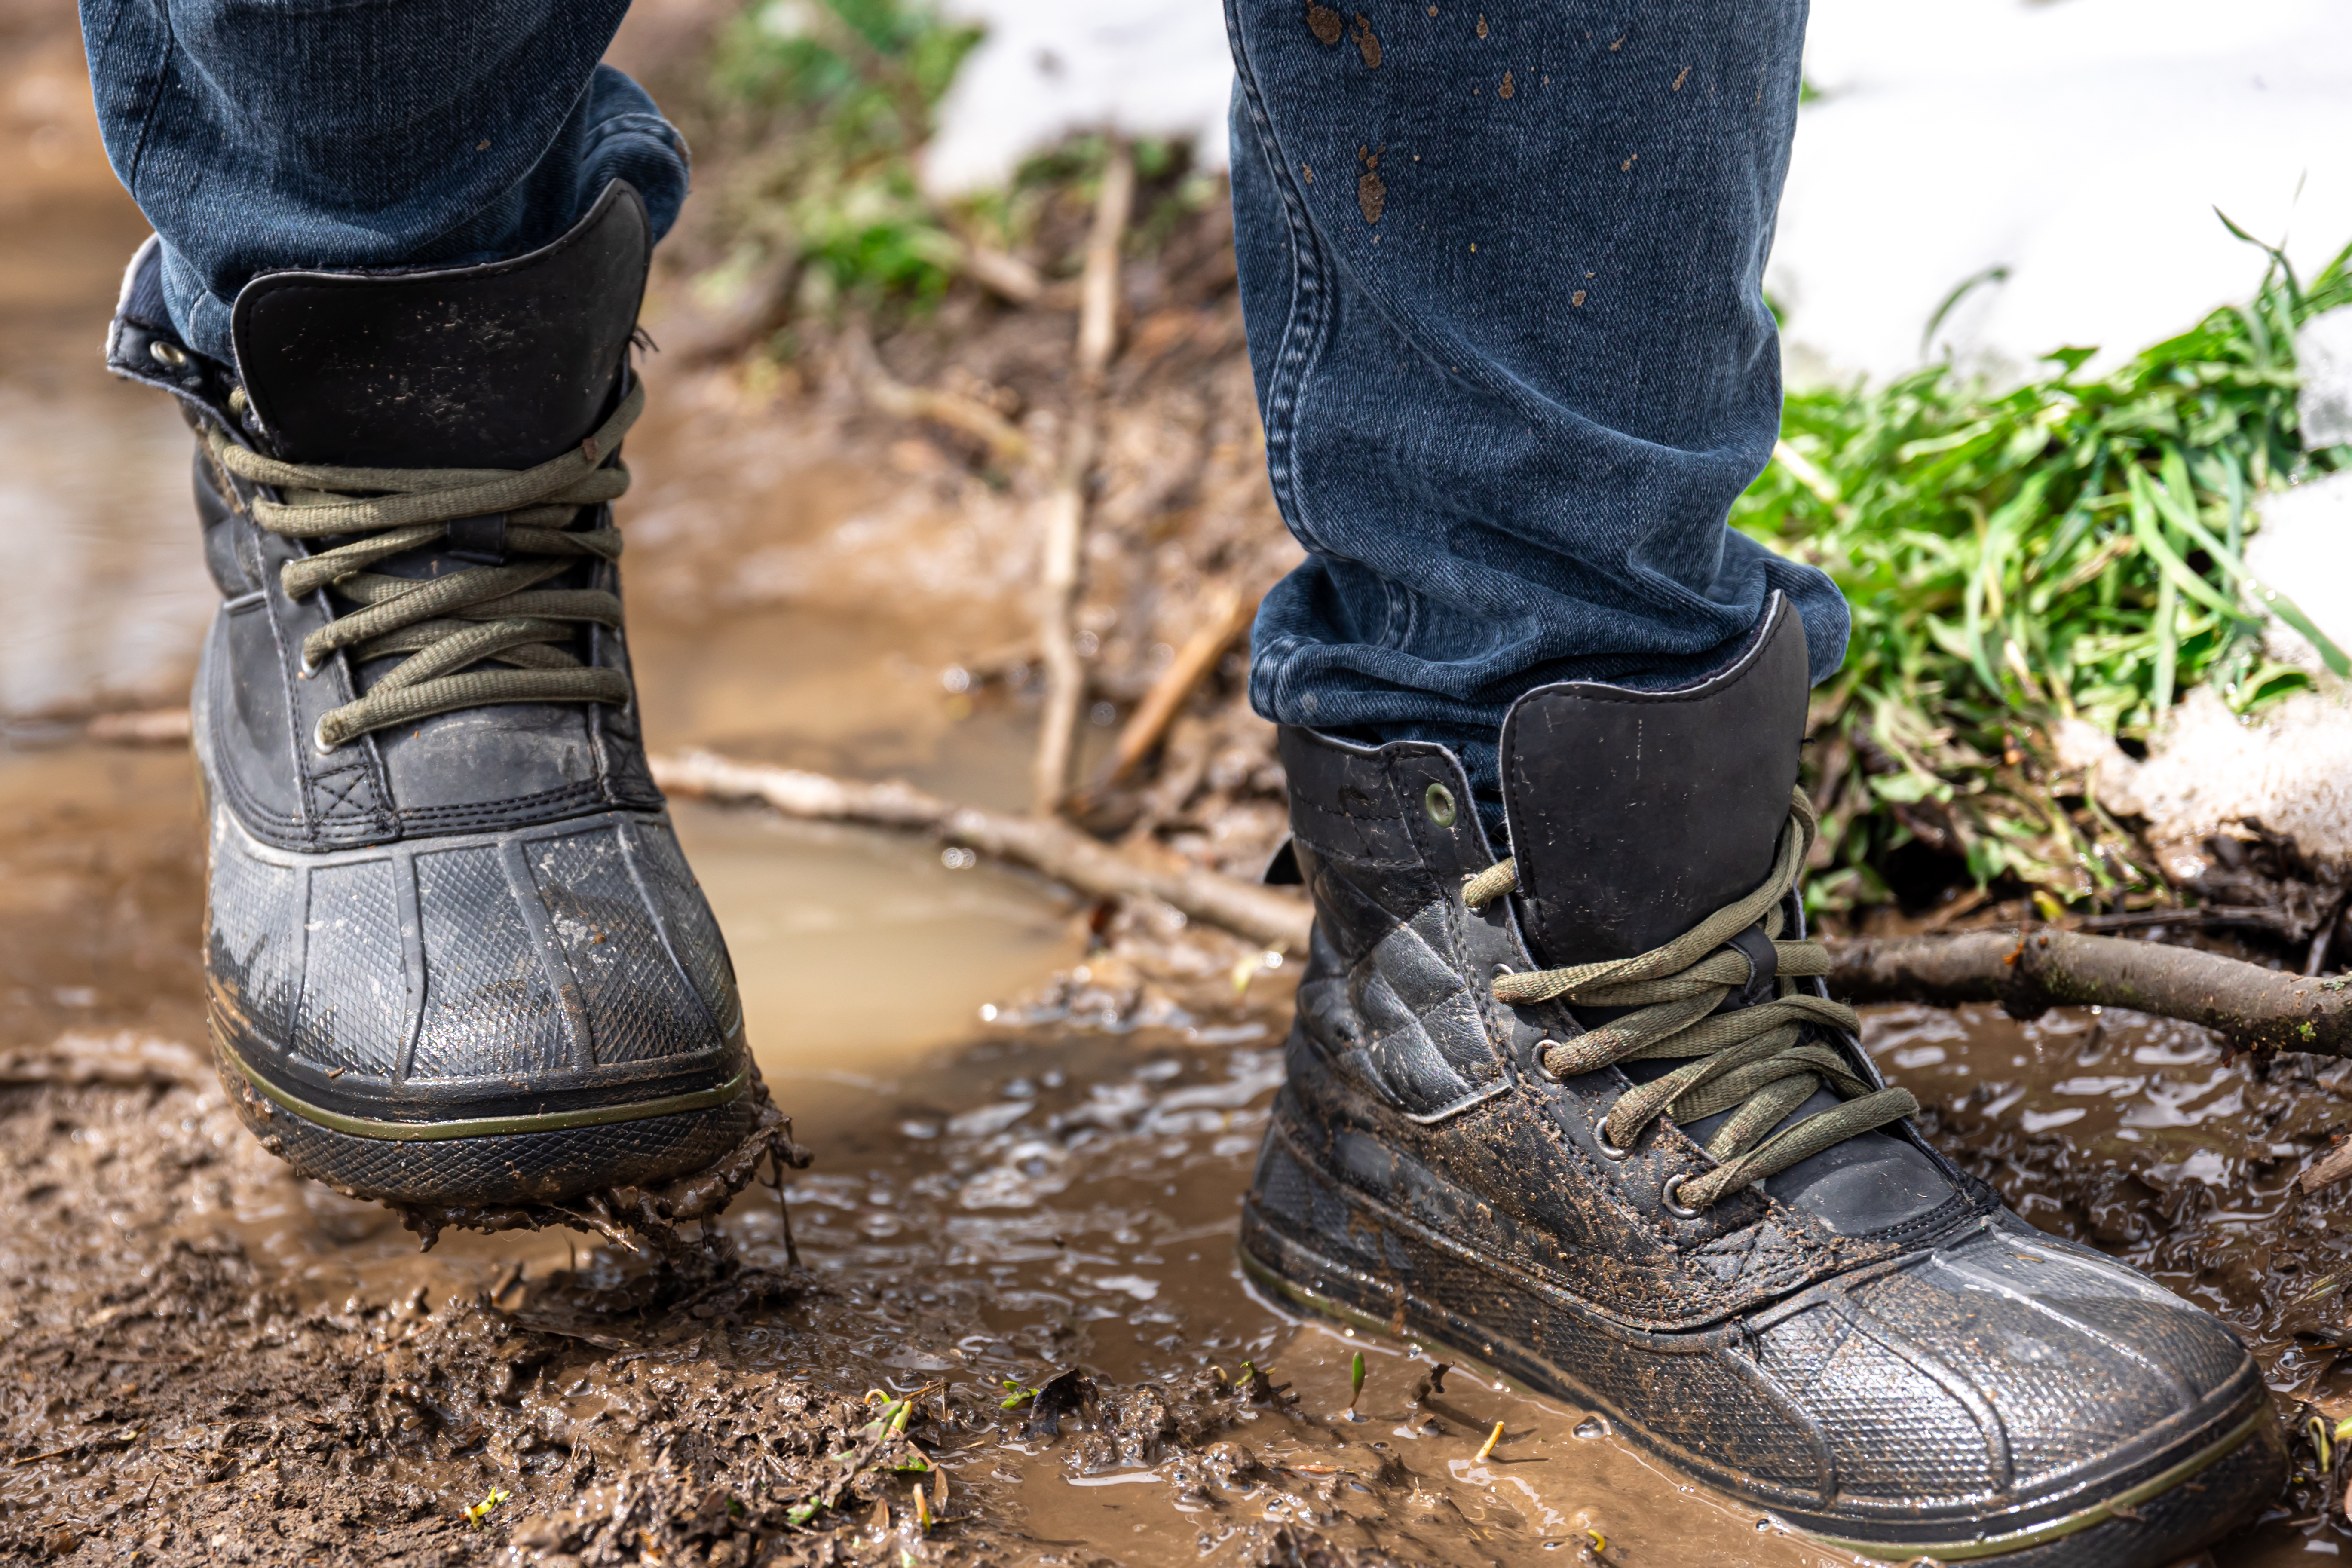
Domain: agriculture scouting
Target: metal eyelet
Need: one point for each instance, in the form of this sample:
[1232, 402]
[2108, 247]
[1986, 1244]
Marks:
[169, 355]
[1543, 1067]
[1438, 801]
[1601, 1140]
[319, 737]
[1674, 1205]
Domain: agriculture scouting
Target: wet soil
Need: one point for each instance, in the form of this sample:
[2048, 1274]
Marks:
[209, 1360]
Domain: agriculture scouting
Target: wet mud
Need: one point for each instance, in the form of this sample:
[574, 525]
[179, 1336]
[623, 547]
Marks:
[209, 1360]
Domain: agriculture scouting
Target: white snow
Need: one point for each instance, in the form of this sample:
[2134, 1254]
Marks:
[2303, 549]
[1050, 67]
[2290, 770]
[2079, 147]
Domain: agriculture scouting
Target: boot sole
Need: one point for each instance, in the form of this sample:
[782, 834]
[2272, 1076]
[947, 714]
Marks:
[2237, 1459]
[541, 1158]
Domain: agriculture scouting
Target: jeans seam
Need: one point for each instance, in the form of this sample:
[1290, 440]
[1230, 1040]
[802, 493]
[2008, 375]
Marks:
[163, 53]
[1310, 315]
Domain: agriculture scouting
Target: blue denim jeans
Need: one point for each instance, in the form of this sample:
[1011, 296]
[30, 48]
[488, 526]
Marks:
[258, 135]
[1502, 266]
[1501, 271]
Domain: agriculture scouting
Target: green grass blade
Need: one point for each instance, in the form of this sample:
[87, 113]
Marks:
[2269, 599]
[2177, 571]
[2167, 649]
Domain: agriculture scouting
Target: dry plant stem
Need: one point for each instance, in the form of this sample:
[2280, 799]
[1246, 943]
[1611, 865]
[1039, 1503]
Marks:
[1043, 844]
[2327, 1170]
[1007, 277]
[1229, 615]
[1065, 504]
[2031, 970]
[900, 401]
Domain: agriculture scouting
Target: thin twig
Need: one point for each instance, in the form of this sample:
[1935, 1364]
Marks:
[1001, 274]
[1229, 615]
[1043, 844]
[1065, 504]
[895, 398]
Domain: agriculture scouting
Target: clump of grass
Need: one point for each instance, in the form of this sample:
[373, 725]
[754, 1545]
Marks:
[818, 109]
[2068, 547]
[822, 105]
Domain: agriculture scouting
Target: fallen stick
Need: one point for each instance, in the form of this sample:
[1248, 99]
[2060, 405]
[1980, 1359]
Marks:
[1045, 845]
[1228, 618]
[1065, 504]
[2030, 972]
[895, 398]
[1006, 277]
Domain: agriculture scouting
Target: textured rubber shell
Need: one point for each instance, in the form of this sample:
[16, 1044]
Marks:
[2213, 1483]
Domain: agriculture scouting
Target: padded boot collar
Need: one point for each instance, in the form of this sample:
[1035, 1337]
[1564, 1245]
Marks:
[1636, 814]
[497, 366]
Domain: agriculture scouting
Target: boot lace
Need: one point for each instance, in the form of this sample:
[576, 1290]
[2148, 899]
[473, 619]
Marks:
[1754, 1061]
[483, 634]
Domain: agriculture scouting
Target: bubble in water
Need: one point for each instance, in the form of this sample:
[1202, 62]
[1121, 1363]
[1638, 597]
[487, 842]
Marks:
[1592, 1426]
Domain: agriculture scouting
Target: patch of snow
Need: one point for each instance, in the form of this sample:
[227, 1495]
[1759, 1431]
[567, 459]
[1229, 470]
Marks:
[2290, 770]
[1051, 66]
[2080, 148]
[2322, 353]
[2303, 549]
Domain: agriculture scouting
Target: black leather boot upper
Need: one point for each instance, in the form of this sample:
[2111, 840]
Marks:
[460, 959]
[1866, 1343]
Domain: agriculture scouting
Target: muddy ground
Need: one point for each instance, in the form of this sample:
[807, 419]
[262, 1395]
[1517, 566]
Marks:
[1028, 1162]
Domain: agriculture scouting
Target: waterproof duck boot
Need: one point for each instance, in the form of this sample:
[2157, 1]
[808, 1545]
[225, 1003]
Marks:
[455, 955]
[1587, 1117]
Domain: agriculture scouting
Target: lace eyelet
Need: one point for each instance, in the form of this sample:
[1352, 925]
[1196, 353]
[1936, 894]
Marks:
[1543, 1067]
[1601, 1140]
[319, 738]
[1672, 1202]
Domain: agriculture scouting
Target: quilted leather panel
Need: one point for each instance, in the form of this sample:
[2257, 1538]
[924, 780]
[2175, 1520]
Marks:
[1387, 989]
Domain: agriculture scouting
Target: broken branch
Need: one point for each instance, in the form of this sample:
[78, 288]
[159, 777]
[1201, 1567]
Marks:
[2031, 970]
[895, 398]
[1044, 845]
[1228, 618]
[1066, 504]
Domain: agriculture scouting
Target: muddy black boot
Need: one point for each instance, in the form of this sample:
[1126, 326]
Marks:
[454, 954]
[1587, 1117]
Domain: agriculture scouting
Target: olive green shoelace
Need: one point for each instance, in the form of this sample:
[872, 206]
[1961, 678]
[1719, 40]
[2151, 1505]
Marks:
[452, 623]
[1755, 1058]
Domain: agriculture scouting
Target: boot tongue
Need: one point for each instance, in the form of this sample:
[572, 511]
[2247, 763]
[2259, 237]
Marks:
[497, 366]
[1636, 814]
